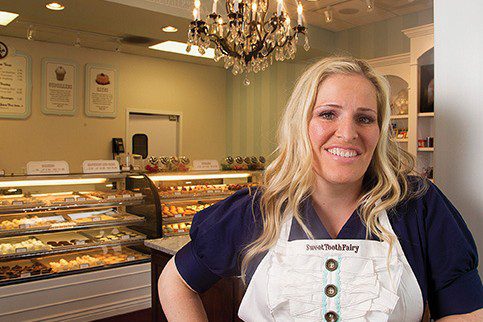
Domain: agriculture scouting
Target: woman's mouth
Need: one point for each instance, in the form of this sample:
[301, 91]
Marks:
[341, 152]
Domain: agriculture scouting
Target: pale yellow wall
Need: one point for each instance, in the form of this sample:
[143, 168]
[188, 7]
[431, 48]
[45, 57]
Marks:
[197, 91]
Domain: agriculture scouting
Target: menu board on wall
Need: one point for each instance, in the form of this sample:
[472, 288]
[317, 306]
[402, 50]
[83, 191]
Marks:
[101, 91]
[15, 86]
[59, 86]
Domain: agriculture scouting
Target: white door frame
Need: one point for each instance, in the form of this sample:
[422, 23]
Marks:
[179, 145]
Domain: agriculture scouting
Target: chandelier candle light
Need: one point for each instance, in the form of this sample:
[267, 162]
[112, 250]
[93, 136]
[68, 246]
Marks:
[247, 41]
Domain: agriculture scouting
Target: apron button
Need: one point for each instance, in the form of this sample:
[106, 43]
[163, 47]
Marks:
[331, 264]
[331, 316]
[331, 290]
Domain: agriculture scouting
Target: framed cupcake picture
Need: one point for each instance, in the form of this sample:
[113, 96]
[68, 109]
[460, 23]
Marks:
[59, 87]
[101, 97]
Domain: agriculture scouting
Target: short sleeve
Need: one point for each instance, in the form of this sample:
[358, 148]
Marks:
[454, 286]
[218, 236]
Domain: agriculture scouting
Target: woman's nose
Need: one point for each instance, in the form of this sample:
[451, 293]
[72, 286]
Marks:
[347, 130]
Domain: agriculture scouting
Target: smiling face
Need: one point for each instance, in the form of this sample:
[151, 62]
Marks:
[343, 128]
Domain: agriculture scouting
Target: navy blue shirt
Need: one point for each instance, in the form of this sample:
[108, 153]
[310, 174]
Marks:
[435, 240]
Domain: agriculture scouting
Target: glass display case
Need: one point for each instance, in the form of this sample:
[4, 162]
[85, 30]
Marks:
[65, 224]
[182, 195]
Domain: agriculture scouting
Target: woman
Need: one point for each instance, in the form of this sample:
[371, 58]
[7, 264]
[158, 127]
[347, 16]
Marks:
[338, 230]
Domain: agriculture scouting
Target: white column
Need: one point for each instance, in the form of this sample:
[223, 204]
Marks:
[459, 101]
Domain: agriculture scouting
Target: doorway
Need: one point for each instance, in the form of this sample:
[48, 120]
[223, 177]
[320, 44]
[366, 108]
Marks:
[153, 134]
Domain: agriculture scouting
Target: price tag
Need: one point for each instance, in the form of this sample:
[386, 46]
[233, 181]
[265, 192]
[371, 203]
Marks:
[81, 199]
[24, 226]
[69, 199]
[126, 195]
[180, 230]
[130, 258]
[96, 218]
[21, 250]
[85, 265]
[80, 242]
[17, 203]
[117, 249]
[125, 237]
[138, 194]
[178, 216]
[111, 197]
[177, 193]
[26, 274]
[209, 191]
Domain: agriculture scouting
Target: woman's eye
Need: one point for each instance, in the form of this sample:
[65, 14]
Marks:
[366, 120]
[327, 115]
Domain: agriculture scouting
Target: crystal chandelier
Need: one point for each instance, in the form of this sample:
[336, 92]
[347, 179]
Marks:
[247, 40]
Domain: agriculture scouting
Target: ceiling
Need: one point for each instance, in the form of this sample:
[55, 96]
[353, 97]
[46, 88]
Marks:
[101, 24]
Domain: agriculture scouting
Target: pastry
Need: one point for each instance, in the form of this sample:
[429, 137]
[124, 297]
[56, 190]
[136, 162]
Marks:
[60, 73]
[102, 79]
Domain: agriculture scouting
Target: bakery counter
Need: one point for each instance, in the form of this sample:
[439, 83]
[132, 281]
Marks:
[221, 302]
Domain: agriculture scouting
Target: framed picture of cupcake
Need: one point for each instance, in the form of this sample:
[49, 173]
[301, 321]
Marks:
[59, 87]
[101, 95]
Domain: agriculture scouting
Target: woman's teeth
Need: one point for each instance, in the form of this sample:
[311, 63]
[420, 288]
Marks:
[343, 152]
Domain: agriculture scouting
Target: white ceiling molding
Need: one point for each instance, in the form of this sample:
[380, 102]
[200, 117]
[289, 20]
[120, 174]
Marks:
[390, 60]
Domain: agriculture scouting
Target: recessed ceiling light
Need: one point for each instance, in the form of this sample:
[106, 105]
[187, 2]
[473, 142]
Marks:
[55, 6]
[170, 29]
[180, 48]
[7, 17]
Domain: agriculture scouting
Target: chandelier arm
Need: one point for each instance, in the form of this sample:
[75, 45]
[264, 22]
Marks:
[225, 48]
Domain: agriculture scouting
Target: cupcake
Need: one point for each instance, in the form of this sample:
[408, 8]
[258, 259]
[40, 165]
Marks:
[102, 79]
[60, 73]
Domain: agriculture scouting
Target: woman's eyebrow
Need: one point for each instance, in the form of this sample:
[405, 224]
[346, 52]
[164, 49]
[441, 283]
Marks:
[366, 109]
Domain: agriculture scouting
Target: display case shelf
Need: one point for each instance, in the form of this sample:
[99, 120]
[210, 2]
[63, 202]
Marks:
[175, 220]
[196, 197]
[425, 149]
[30, 208]
[68, 249]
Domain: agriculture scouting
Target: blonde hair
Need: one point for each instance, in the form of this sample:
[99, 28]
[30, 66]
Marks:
[289, 179]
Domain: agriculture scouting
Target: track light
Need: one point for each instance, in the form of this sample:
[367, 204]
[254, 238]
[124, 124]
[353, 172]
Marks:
[30, 33]
[118, 46]
[77, 42]
[328, 14]
[369, 5]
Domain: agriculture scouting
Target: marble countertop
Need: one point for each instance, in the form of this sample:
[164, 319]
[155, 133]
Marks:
[169, 245]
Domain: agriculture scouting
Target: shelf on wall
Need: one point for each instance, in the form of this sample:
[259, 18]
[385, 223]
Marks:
[428, 114]
[402, 116]
[425, 149]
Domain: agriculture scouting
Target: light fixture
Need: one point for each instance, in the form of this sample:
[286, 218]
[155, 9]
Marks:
[199, 176]
[180, 48]
[328, 14]
[170, 29]
[30, 33]
[369, 5]
[50, 182]
[249, 38]
[55, 6]
[77, 42]
[7, 17]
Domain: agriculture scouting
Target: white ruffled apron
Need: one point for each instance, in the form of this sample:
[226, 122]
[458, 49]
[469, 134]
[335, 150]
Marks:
[333, 280]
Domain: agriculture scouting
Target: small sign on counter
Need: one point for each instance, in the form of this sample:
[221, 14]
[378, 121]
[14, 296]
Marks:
[211, 165]
[47, 167]
[100, 166]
